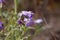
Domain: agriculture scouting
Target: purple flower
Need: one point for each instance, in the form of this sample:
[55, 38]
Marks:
[26, 13]
[1, 1]
[19, 22]
[1, 26]
[28, 18]
[30, 23]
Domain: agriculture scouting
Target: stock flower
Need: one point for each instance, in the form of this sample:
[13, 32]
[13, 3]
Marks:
[1, 26]
[28, 21]
[26, 13]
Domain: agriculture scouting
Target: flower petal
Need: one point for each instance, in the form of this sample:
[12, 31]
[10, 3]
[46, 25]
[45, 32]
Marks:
[1, 25]
[30, 23]
[19, 22]
[38, 21]
[25, 19]
[27, 13]
[24, 13]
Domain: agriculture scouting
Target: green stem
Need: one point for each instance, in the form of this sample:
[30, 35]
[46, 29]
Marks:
[0, 12]
[15, 7]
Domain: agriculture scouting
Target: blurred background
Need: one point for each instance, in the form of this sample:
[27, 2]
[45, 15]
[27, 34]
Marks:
[48, 10]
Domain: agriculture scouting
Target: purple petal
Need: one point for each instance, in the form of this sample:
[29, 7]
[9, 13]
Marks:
[29, 23]
[19, 22]
[27, 13]
[30, 16]
[1, 1]
[1, 22]
[1, 25]
[25, 19]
